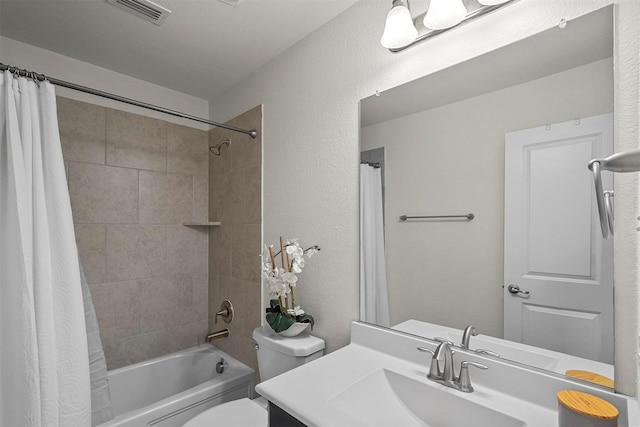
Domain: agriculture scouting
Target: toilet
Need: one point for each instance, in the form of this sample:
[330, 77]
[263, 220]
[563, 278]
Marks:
[276, 355]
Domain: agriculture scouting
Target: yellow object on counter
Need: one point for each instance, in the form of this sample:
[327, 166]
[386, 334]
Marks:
[591, 377]
[579, 409]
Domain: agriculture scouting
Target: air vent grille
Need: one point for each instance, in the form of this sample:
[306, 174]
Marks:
[145, 9]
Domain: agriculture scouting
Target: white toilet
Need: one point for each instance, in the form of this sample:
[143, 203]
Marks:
[276, 355]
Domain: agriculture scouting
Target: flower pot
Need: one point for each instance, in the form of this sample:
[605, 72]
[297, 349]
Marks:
[294, 329]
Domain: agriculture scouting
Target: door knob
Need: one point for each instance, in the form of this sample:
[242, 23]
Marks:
[515, 289]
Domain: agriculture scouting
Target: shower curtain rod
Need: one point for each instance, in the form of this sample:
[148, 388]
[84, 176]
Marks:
[41, 77]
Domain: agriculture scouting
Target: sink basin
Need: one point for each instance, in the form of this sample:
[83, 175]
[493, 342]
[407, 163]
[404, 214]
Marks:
[386, 398]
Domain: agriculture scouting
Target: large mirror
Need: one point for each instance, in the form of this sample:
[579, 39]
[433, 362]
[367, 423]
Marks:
[440, 143]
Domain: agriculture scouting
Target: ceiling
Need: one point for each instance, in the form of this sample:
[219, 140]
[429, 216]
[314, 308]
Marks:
[203, 47]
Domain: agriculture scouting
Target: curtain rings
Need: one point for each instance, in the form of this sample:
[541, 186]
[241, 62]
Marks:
[34, 77]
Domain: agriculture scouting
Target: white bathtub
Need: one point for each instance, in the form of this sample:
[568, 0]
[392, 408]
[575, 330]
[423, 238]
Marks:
[169, 390]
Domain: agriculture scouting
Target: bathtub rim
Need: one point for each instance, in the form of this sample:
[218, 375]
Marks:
[244, 377]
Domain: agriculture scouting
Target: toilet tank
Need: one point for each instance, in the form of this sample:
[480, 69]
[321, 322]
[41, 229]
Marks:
[278, 354]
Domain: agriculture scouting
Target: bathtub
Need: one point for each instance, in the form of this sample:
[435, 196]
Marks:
[169, 390]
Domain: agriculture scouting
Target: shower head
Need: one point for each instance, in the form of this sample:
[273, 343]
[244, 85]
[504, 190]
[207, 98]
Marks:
[216, 148]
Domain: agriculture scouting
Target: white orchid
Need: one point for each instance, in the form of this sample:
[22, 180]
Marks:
[289, 278]
[281, 281]
[296, 311]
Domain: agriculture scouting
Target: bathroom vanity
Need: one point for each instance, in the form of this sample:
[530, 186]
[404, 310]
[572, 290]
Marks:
[381, 379]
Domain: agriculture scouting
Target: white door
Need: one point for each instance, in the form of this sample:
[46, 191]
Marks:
[554, 251]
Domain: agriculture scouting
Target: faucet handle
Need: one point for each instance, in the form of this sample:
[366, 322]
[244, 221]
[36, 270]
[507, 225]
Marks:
[424, 350]
[434, 369]
[464, 380]
[488, 352]
[440, 339]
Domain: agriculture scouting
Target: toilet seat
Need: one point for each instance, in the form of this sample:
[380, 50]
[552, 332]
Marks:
[238, 413]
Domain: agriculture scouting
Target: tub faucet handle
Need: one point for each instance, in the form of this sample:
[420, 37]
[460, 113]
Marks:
[226, 312]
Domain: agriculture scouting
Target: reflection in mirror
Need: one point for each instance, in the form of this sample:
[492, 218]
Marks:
[445, 138]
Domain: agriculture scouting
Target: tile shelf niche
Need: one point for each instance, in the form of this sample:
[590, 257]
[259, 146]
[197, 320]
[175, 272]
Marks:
[202, 223]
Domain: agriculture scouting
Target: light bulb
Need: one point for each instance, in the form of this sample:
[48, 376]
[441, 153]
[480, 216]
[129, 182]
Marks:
[399, 30]
[491, 2]
[443, 14]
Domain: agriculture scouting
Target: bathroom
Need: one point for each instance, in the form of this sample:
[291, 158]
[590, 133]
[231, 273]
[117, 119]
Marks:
[308, 117]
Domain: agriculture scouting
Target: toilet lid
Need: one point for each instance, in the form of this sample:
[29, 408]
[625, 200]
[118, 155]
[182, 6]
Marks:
[239, 413]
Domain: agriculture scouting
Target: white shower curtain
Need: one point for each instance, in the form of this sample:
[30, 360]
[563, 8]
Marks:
[374, 304]
[44, 368]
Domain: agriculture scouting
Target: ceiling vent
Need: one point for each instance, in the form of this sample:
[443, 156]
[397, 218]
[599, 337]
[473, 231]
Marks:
[145, 9]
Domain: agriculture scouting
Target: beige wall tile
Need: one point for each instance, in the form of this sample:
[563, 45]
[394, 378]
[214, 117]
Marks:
[201, 198]
[136, 252]
[244, 202]
[187, 250]
[165, 198]
[180, 274]
[200, 304]
[82, 130]
[187, 150]
[134, 349]
[117, 309]
[166, 302]
[136, 141]
[141, 347]
[220, 249]
[202, 330]
[245, 251]
[201, 265]
[185, 336]
[220, 198]
[92, 247]
[236, 198]
[103, 194]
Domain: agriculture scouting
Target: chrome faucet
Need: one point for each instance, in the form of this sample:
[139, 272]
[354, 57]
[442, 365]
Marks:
[469, 331]
[444, 373]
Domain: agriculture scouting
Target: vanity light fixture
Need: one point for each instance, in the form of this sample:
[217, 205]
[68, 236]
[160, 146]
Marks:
[403, 30]
[443, 14]
[399, 30]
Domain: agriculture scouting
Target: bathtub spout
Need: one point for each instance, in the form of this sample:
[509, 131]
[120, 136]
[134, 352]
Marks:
[220, 334]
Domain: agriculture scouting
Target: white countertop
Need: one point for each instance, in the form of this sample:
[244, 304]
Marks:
[312, 392]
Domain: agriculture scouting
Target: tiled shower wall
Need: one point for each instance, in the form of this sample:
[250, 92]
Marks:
[235, 182]
[133, 180]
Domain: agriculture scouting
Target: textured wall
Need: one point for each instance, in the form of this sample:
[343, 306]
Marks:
[235, 198]
[133, 180]
[310, 97]
[450, 160]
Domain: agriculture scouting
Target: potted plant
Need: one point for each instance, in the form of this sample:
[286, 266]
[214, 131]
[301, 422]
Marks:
[283, 315]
